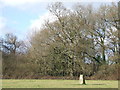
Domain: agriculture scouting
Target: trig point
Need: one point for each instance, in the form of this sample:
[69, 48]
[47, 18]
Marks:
[81, 79]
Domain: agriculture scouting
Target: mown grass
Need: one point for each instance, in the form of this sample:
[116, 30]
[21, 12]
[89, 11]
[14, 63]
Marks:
[58, 84]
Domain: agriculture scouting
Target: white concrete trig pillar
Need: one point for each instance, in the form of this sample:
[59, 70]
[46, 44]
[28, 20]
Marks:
[82, 79]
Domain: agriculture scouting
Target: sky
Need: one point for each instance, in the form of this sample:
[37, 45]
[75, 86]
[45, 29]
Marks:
[21, 17]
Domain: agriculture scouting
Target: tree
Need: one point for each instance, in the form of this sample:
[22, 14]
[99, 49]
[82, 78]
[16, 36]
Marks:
[12, 51]
[119, 26]
[12, 45]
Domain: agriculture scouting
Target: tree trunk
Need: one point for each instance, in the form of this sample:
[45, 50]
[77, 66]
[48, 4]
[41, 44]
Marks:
[71, 70]
[103, 51]
[103, 55]
[71, 73]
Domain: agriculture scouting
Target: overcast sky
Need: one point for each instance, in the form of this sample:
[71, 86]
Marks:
[21, 16]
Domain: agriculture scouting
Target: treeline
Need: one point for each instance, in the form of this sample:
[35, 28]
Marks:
[81, 40]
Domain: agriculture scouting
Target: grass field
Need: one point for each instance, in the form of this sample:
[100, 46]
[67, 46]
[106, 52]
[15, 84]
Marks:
[58, 84]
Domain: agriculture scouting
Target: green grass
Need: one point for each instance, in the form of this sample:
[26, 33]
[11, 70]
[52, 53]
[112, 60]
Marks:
[58, 84]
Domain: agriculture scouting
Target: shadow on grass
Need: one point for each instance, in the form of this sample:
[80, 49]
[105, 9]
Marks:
[88, 84]
[96, 84]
